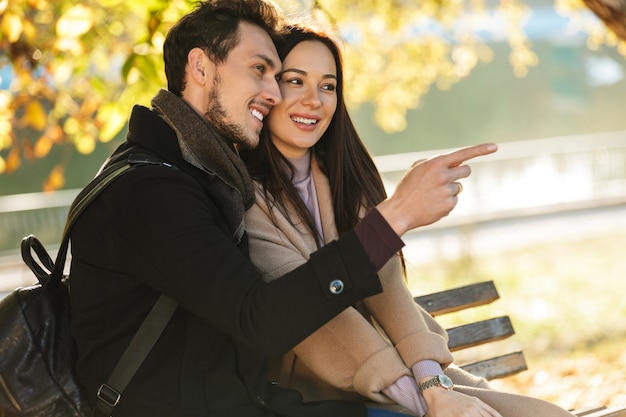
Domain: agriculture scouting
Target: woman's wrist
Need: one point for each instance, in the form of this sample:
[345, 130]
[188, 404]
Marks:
[425, 369]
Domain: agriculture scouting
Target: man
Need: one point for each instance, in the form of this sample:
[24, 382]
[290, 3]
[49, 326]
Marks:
[177, 229]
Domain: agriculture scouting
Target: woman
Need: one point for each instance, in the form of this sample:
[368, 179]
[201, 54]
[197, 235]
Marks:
[315, 180]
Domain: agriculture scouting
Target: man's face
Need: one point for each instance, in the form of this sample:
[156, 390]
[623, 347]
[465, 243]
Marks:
[244, 88]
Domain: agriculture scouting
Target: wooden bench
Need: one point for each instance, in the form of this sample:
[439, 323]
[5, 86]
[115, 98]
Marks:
[488, 331]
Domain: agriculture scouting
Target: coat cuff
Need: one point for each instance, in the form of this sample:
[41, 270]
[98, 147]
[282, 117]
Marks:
[378, 372]
[378, 238]
[423, 346]
[352, 277]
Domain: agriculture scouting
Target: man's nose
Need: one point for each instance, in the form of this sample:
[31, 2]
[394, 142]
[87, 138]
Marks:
[271, 93]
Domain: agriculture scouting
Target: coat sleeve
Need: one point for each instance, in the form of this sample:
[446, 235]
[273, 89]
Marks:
[169, 235]
[415, 334]
[362, 360]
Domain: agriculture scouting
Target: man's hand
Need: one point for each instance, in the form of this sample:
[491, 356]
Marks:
[444, 403]
[428, 190]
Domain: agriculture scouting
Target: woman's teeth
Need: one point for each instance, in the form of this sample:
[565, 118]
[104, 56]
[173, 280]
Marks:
[304, 120]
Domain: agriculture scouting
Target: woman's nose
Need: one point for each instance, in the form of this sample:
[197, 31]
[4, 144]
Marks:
[311, 98]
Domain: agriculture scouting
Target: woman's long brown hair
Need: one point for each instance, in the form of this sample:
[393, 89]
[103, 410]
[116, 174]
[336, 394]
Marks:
[354, 180]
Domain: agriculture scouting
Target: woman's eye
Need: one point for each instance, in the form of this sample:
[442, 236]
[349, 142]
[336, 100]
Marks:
[329, 87]
[294, 81]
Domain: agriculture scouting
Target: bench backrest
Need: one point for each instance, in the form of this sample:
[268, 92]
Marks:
[477, 333]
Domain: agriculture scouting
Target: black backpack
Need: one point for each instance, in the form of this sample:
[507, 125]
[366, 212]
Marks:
[38, 353]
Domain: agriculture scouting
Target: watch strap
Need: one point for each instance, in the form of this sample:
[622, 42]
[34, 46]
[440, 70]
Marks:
[437, 381]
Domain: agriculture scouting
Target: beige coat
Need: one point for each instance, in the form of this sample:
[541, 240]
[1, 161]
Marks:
[350, 358]
[348, 353]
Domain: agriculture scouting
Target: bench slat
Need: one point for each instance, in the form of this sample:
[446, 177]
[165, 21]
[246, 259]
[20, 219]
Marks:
[609, 412]
[460, 298]
[498, 367]
[588, 410]
[478, 333]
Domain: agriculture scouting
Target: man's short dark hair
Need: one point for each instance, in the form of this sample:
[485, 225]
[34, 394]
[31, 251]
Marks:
[214, 27]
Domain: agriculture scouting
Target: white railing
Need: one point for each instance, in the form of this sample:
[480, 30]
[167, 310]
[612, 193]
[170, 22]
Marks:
[534, 176]
[527, 193]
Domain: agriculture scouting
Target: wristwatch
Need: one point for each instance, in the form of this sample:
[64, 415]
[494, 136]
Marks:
[438, 381]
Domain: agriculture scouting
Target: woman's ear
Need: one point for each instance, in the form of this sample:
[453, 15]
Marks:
[199, 65]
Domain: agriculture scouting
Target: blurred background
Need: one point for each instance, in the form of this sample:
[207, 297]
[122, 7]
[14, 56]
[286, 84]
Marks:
[545, 217]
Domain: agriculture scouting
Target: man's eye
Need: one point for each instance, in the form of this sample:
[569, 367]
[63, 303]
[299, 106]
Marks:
[260, 68]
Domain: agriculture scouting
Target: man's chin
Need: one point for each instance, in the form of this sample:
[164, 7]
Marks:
[250, 141]
[242, 146]
[240, 138]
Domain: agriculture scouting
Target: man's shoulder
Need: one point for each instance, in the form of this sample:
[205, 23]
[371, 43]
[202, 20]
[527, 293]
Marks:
[143, 119]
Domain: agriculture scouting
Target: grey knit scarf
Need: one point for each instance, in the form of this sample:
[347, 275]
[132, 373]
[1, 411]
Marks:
[203, 147]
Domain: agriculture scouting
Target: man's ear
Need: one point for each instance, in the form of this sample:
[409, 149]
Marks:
[200, 66]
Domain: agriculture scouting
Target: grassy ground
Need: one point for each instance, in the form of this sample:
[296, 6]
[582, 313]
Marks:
[567, 302]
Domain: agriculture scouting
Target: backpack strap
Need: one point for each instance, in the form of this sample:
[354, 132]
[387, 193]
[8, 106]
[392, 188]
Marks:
[109, 394]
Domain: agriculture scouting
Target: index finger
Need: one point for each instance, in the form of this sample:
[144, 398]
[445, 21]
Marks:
[456, 158]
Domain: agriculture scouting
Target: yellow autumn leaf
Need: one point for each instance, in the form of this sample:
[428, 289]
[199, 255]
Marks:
[71, 126]
[13, 161]
[30, 31]
[12, 26]
[55, 134]
[35, 116]
[75, 22]
[55, 180]
[85, 143]
[5, 133]
[42, 147]
[3, 165]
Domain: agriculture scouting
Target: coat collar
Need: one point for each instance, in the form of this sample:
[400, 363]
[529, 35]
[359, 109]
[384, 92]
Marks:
[149, 129]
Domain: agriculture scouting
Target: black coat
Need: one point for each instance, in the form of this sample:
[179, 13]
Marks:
[159, 230]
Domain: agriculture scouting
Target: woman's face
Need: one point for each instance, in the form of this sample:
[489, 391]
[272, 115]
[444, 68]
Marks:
[308, 85]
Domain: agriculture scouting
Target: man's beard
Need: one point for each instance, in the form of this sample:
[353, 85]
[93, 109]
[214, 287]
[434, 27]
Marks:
[216, 115]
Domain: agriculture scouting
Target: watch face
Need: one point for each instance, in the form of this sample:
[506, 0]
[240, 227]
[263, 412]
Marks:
[445, 381]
